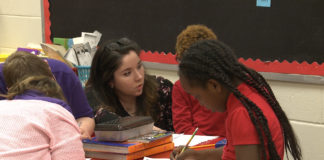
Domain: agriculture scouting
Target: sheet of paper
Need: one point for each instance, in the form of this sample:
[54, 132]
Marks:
[263, 3]
[83, 53]
[33, 45]
[181, 139]
[98, 35]
[71, 57]
[92, 38]
[84, 58]
[78, 40]
[147, 158]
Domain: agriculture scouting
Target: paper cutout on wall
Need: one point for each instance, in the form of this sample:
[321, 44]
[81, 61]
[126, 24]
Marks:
[263, 3]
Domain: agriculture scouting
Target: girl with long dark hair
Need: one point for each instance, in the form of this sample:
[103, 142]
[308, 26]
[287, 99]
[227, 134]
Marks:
[256, 126]
[119, 85]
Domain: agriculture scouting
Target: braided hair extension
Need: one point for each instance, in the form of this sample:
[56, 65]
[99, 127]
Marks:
[212, 59]
[227, 81]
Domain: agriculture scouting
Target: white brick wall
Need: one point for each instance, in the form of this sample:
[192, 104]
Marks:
[29, 8]
[311, 139]
[20, 23]
[170, 75]
[304, 105]
[301, 102]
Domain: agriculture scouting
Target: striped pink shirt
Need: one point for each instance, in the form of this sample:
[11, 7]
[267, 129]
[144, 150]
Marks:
[35, 129]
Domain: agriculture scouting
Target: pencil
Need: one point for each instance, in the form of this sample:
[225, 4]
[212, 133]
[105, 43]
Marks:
[186, 146]
[202, 146]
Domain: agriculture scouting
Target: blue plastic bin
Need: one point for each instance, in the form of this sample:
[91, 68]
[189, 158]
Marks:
[83, 74]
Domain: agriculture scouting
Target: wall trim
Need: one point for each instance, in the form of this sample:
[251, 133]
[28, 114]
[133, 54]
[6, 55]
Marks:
[298, 78]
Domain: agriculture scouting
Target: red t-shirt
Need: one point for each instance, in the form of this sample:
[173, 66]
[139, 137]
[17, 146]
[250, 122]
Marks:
[239, 127]
[187, 114]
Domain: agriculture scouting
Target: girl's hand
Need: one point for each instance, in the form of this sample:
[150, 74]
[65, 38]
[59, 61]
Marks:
[175, 152]
[188, 154]
[84, 134]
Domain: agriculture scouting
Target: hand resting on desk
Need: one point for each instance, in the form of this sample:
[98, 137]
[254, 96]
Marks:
[207, 154]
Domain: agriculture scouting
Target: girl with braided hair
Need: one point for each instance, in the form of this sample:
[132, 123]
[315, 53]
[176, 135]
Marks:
[256, 126]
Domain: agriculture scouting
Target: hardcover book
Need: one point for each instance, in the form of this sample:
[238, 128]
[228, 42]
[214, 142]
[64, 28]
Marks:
[124, 128]
[122, 147]
[135, 155]
[150, 137]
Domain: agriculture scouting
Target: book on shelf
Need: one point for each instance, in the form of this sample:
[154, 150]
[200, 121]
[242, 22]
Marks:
[123, 128]
[135, 155]
[121, 147]
[150, 137]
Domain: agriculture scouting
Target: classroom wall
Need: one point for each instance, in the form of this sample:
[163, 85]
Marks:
[20, 23]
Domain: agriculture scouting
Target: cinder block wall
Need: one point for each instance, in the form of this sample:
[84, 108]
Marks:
[20, 23]
[304, 105]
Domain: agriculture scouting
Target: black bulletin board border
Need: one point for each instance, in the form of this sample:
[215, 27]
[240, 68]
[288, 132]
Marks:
[286, 67]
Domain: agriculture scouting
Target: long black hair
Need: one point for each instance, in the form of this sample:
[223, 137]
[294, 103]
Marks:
[106, 61]
[213, 59]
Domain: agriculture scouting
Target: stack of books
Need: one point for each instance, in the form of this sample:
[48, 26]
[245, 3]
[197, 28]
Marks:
[124, 128]
[125, 138]
[135, 148]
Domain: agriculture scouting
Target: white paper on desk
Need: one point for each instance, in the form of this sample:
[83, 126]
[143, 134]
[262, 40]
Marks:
[147, 158]
[181, 139]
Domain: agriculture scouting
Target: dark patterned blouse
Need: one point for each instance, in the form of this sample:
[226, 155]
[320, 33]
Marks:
[164, 120]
